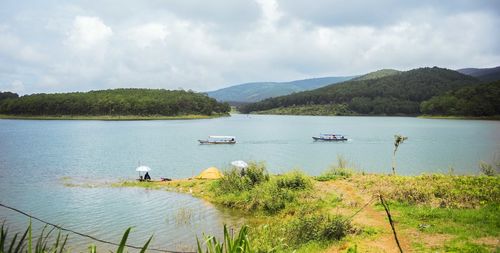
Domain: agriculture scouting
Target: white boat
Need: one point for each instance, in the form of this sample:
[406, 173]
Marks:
[219, 140]
[330, 137]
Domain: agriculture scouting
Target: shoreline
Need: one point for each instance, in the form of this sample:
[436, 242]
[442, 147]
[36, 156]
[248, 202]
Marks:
[493, 118]
[112, 117]
[450, 206]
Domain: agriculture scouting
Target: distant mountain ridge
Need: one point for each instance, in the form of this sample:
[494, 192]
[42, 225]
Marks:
[483, 74]
[257, 91]
[394, 94]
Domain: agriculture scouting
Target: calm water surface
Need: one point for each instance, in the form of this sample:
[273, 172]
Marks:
[36, 157]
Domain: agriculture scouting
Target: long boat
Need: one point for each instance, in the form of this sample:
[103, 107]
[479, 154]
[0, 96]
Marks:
[219, 140]
[330, 137]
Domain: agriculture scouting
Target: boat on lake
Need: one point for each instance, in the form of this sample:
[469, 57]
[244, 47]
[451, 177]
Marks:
[330, 137]
[219, 140]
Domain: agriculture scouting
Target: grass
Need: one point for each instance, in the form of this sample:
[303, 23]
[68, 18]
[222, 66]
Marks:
[470, 223]
[109, 117]
[295, 213]
[435, 190]
[343, 169]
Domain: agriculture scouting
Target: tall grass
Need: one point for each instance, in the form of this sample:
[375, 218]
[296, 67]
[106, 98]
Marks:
[341, 170]
[229, 244]
[46, 243]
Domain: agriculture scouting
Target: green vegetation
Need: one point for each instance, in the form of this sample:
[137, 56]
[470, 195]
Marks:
[48, 244]
[396, 94]
[6, 95]
[111, 117]
[253, 189]
[118, 102]
[436, 190]
[230, 244]
[315, 110]
[343, 169]
[378, 74]
[480, 100]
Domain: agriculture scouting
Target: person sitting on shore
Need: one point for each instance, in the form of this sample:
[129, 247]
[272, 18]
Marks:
[147, 177]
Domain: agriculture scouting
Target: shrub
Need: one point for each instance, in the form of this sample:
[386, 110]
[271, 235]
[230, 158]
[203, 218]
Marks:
[256, 173]
[294, 180]
[253, 189]
[236, 180]
[488, 169]
[317, 227]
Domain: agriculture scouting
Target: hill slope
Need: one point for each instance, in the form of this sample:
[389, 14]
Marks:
[390, 95]
[485, 74]
[477, 100]
[115, 102]
[253, 92]
[378, 74]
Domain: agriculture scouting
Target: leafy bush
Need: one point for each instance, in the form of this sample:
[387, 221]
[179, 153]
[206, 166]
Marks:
[256, 173]
[236, 180]
[254, 190]
[318, 227]
[288, 234]
[294, 180]
[488, 169]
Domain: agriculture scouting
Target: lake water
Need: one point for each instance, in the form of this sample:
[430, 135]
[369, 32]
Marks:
[37, 157]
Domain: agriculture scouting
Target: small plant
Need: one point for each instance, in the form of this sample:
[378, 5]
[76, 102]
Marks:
[488, 169]
[229, 244]
[398, 140]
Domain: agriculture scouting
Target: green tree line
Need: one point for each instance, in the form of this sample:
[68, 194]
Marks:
[142, 102]
[395, 94]
[477, 100]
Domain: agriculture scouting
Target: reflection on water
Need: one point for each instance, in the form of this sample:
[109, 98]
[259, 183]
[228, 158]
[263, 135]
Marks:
[37, 156]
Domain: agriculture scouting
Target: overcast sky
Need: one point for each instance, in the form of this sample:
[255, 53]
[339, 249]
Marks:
[58, 46]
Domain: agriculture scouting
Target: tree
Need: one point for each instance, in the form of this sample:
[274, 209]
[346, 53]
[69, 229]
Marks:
[398, 140]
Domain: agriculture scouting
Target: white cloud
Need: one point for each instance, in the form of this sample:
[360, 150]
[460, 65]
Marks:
[145, 35]
[204, 46]
[17, 86]
[88, 32]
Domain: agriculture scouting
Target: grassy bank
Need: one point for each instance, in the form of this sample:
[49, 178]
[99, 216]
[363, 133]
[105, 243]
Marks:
[110, 117]
[339, 210]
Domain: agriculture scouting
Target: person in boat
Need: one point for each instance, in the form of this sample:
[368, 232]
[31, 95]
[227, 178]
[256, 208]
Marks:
[147, 177]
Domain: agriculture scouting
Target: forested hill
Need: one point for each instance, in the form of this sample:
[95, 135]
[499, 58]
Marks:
[477, 100]
[399, 93]
[142, 102]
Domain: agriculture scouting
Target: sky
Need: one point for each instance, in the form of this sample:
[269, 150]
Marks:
[80, 45]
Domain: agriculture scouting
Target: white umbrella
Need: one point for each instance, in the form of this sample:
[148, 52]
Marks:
[240, 164]
[142, 168]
